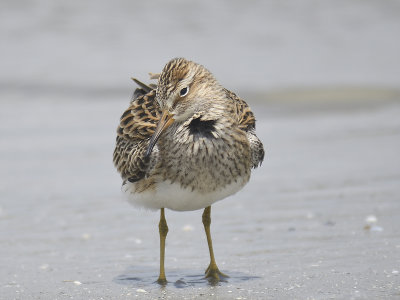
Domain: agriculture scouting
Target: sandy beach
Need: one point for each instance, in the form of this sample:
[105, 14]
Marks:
[319, 219]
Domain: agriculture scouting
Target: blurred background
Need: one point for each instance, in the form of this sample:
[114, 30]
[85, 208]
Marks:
[323, 78]
[66, 47]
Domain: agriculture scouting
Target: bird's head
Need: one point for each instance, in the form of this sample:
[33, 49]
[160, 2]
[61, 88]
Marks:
[184, 88]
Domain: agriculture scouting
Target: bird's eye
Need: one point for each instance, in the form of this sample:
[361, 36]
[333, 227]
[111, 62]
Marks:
[184, 91]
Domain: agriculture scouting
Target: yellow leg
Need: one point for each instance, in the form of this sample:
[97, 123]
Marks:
[212, 272]
[163, 229]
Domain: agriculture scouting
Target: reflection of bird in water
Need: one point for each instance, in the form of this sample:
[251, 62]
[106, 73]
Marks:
[185, 144]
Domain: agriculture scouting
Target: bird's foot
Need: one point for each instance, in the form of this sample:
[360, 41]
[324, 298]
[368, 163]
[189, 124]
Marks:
[162, 281]
[213, 274]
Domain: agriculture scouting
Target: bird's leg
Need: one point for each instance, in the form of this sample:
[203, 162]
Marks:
[163, 229]
[212, 272]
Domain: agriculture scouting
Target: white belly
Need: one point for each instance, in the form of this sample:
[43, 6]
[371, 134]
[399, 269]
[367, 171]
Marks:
[173, 196]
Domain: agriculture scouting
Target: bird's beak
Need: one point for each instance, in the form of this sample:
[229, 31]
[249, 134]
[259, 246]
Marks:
[165, 121]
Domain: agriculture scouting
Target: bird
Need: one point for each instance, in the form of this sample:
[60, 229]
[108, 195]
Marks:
[183, 144]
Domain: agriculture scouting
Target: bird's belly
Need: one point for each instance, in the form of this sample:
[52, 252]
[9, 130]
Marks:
[174, 196]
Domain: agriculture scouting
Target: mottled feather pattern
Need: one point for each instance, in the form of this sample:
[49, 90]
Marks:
[207, 150]
[247, 122]
[137, 125]
[246, 119]
[140, 119]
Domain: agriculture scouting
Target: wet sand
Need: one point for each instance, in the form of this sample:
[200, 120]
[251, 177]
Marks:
[319, 219]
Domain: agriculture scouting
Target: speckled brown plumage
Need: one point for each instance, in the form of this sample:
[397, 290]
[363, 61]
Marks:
[136, 126]
[139, 121]
[186, 142]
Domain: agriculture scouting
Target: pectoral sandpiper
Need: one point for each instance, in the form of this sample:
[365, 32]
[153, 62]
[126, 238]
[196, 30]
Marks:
[184, 144]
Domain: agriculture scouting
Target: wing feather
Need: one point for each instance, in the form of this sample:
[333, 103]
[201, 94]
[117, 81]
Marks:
[137, 125]
[247, 123]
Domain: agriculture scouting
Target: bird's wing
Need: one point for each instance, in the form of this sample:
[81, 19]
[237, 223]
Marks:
[137, 125]
[246, 119]
[247, 123]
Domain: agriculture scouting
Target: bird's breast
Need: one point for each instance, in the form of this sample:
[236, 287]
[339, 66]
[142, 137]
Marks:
[200, 157]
